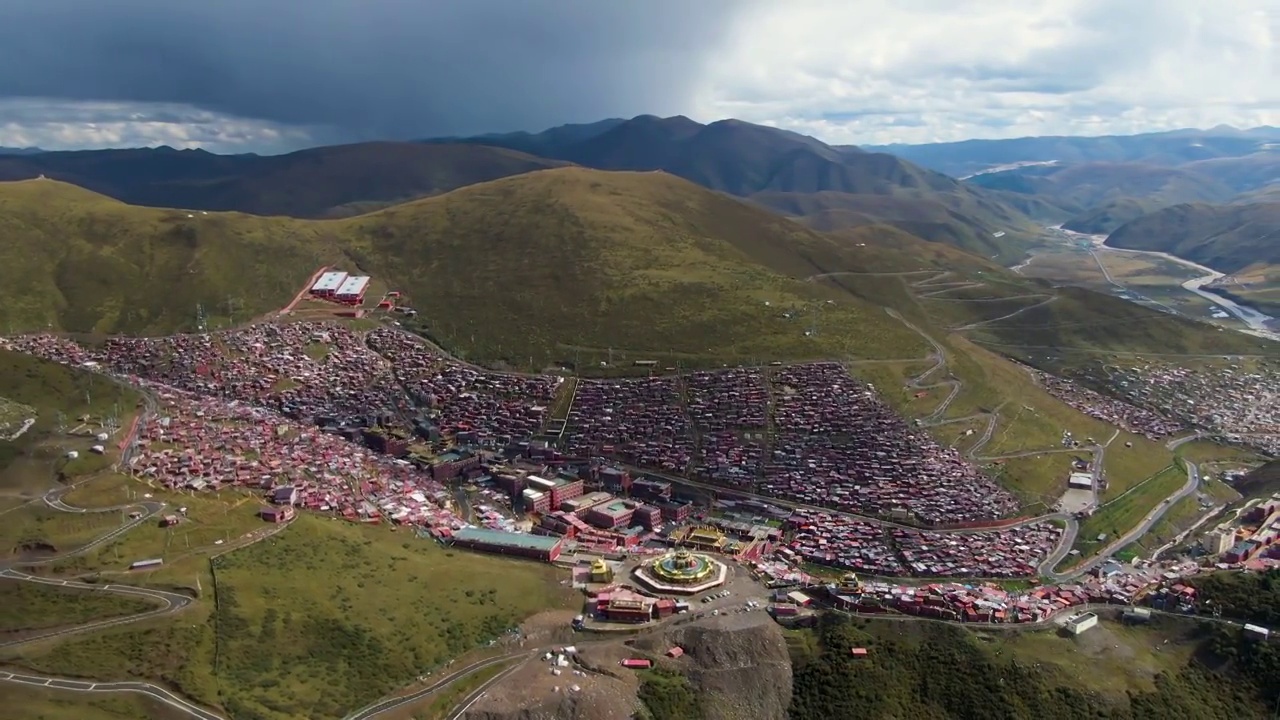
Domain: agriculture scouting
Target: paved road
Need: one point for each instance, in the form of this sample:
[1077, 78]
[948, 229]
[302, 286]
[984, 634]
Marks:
[396, 702]
[169, 603]
[1152, 517]
[479, 692]
[1015, 313]
[153, 691]
[151, 508]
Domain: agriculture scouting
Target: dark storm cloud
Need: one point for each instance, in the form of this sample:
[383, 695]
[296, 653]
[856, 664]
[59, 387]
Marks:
[368, 68]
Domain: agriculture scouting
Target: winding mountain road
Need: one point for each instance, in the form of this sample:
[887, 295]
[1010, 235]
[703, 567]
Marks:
[169, 603]
[394, 703]
[152, 691]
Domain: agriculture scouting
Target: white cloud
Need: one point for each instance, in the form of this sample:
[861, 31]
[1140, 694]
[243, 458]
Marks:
[68, 124]
[879, 71]
[846, 71]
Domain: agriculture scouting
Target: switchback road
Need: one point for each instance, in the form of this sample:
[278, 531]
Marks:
[152, 691]
[168, 603]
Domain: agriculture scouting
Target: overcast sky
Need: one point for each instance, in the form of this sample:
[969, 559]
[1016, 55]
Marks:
[274, 75]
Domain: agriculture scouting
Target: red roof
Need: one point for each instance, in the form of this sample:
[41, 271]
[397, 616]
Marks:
[858, 652]
[675, 652]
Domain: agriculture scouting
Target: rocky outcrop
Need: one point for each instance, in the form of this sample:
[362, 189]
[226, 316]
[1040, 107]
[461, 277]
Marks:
[738, 663]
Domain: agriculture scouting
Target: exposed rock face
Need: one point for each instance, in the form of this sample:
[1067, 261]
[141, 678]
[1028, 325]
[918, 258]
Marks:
[738, 663]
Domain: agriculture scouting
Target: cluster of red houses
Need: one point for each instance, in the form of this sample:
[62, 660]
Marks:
[472, 406]
[638, 420]
[839, 445]
[834, 442]
[988, 603]
[730, 410]
[203, 443]
[1132, 418]
[838, 541]
[1237, 402]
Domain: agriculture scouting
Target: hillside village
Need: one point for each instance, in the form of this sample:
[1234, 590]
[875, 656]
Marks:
[376, 426]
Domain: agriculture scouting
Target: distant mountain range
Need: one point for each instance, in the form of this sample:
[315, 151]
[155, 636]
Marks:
[20, 151]
[1013, 187]
[1205, 195]
[1176, 147]
[785, 171]
[776, 169]
[320, 182]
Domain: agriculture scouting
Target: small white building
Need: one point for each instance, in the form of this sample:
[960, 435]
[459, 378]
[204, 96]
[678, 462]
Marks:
[1080, 481]
[1082, 622]
[353, 288]
[329, 283]
[1256, 632]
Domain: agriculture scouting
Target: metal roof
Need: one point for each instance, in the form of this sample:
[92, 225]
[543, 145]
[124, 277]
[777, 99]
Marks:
[501, 538]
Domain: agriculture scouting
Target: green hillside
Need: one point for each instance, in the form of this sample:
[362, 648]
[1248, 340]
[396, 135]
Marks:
[781, 170]
[569, 260]
[535, 269]
[1105, 218]
[525, 268]
[74, 260]
[939, 671]
[1090, 185]
[1226, 238]
[1079, 319]
[970, 223]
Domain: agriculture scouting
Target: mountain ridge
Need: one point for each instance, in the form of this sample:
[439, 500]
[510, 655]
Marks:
[751, 161]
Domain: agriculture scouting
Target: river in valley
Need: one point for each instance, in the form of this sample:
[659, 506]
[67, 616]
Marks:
[1257, 323]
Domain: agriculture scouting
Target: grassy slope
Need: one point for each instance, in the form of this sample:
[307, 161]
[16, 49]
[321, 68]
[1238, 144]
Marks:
[779, 169]
[1103, 219]
[956, 218]
[35, 461]
[938, 671]
[325, 181]
[79, 261]
[1227, 238]
[314, 622]
[502, 271]
[1090, 185]
[31, 606]
[626, 260]
[1084, 320]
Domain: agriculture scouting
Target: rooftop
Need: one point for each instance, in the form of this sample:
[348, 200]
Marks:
[506, 539]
